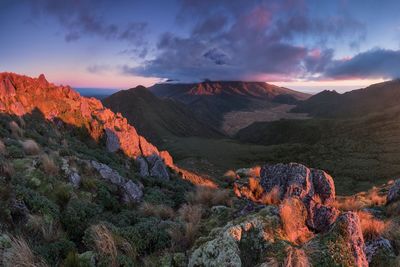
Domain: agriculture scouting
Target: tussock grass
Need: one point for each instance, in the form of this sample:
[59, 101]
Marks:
[371, 227]
[3, 149]
[161, 211]
[21, 255]
[105, 244]
[293, 216]
[16, 131]
[30, 147]
[296, 257]
[209, 197]
[48, 164]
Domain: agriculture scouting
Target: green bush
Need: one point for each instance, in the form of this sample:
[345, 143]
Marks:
[77, 216]
[15, 152]
[56, 251]
[147, 236]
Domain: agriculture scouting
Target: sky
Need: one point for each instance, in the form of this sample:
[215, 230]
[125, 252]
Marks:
[306, 45]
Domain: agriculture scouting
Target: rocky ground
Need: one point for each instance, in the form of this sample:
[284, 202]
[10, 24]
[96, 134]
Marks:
[79, 187]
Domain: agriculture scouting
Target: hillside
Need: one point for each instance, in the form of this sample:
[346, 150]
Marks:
[155, 118]
[374, 98]
[226, 103]
[76, 190]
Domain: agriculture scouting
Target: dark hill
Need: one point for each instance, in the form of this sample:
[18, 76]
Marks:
[375, 98]
[157, 118]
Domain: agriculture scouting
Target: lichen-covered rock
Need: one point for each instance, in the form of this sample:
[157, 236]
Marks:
[107, 173]
[394, 192]
[112, 141]
[245, 241]
[152, 165]
[72, 174]
[320, 217]
[159, 170]
[343, 245]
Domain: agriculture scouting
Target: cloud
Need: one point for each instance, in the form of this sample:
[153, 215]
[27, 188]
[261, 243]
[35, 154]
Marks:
[248, 40]
[375, 63]
[81, 18]
[98, 68]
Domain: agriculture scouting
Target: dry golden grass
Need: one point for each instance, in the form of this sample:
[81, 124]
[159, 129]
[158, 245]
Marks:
[105, 244]
[48, 164]
[3, 149]
[209, 197]
[49, 230]
[30, 147]
[272, 197]
[256, 193]
[191, 213]
[16, 131]
[296, 257]
[21, 255]
[361, 200]
[161, 211]
[371, 227]
[293, 217]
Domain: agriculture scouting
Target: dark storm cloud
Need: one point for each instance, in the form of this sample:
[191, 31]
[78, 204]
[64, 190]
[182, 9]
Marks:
[85, 17]
[376, 63]
[247, 40]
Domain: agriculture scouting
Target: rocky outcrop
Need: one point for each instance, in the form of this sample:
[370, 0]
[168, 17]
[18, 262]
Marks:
[131, 192]
[394, 192]
[20, 95]
[315, 188]
[152, 166]
[229, 245]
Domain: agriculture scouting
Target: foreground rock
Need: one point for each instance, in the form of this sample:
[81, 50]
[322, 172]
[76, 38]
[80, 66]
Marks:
[394, 192]
[315, 188]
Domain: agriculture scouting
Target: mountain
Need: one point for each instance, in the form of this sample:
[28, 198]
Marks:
[157, 118]
[228, 105]
[374, 98]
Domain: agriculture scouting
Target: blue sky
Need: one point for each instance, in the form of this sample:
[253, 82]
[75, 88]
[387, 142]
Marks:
[307, 45]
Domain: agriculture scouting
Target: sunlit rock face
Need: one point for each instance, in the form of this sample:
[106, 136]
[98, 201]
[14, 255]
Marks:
[21, 95]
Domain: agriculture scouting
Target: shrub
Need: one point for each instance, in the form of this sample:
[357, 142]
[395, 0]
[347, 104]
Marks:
[55, 251]
[77, 217]
[30, 147]
[371, 227]
[48, 229]
[147, 236]
[209, 197]
[16, 152]
[48, 165]
[183, 235]
[296, 257]
[62, 194]
[20, 254]
[161, 211]
[38, 203]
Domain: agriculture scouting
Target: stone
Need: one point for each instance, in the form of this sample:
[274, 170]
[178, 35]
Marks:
[143, 166]
[75, 179]
[107, 173]
[159, 170]
[394, 192]
[132, 192]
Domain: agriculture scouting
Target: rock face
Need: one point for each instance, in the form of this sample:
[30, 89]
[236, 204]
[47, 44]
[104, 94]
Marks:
[152, 166]
[131, 192]
[20, 95]
[378, 251]
[394, 192]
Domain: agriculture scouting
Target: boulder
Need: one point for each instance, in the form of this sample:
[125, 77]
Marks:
[75, 179]
[159, 170]
[107, 173]
[315, 188]
[143, 166]
[394, 192]
[132, 193]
